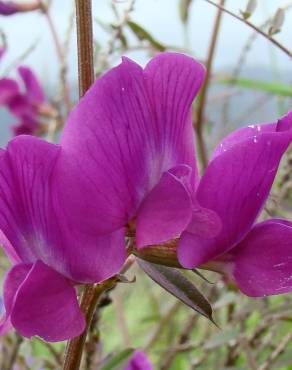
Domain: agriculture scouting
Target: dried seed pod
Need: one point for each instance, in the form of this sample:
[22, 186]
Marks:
[250, 8]
[277, 22]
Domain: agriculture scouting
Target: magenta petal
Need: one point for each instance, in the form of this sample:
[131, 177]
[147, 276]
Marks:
[252, 131]
[236, 185]
[285, 123]
[19, 105]
[13, 280]
[164, 213]
[262, 263]
[8, 8]
[173, 80]
[46, 305]
[8, 89]
[135, 126]
[35, 222]
[204, 222]
[204, 226]
[8, 249]
[34, 91]
[28, 125]
[139, 361]
[25, 203]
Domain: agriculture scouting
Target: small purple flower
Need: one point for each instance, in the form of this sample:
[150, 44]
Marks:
[236, 185]
[23, 103]
[12, 7]
[139, 361]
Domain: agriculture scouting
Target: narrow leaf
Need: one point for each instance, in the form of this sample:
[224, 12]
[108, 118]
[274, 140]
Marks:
[118, 361]
[275, 88]
[277, 22]
[142, 34]
[173, 281]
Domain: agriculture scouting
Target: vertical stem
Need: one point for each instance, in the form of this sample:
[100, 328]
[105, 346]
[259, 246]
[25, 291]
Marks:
[91, 293]
[90, 296]
[60, 55]
[202, 102]
[84, 42]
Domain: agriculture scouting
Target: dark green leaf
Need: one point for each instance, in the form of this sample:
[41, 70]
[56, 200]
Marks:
[118, 361]
[173, 281]
[142, 34]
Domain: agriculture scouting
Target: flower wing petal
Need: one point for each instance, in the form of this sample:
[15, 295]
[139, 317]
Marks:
[13, 280]
[34, 220]
[262, 263]
[164, 213]
[46, 305]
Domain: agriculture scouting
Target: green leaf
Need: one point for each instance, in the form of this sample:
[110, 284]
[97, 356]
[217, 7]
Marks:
[275, 88]
[173, 281]
[142, 34]
[118, 361]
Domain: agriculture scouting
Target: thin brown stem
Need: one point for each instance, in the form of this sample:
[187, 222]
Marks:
[91, 293]
[202, 103]
[85, 45]
[13, 357]
[90, 297]
[258, 30]
[60, 55]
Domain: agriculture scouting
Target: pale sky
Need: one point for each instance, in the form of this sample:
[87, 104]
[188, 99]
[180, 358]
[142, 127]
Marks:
[161, 18]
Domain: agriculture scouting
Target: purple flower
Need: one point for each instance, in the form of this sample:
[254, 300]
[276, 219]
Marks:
[131, 142]
[25, 104]
[236, 185]
[139, 361]
[127, 155]
[12, 7]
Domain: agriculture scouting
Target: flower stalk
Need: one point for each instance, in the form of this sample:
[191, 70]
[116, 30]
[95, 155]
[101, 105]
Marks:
[91, 293]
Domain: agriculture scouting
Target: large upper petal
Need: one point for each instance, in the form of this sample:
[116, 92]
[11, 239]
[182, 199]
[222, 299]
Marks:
[235, 185]
[33, 218]
[128, 129]
[45, 304]
[261, 264]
